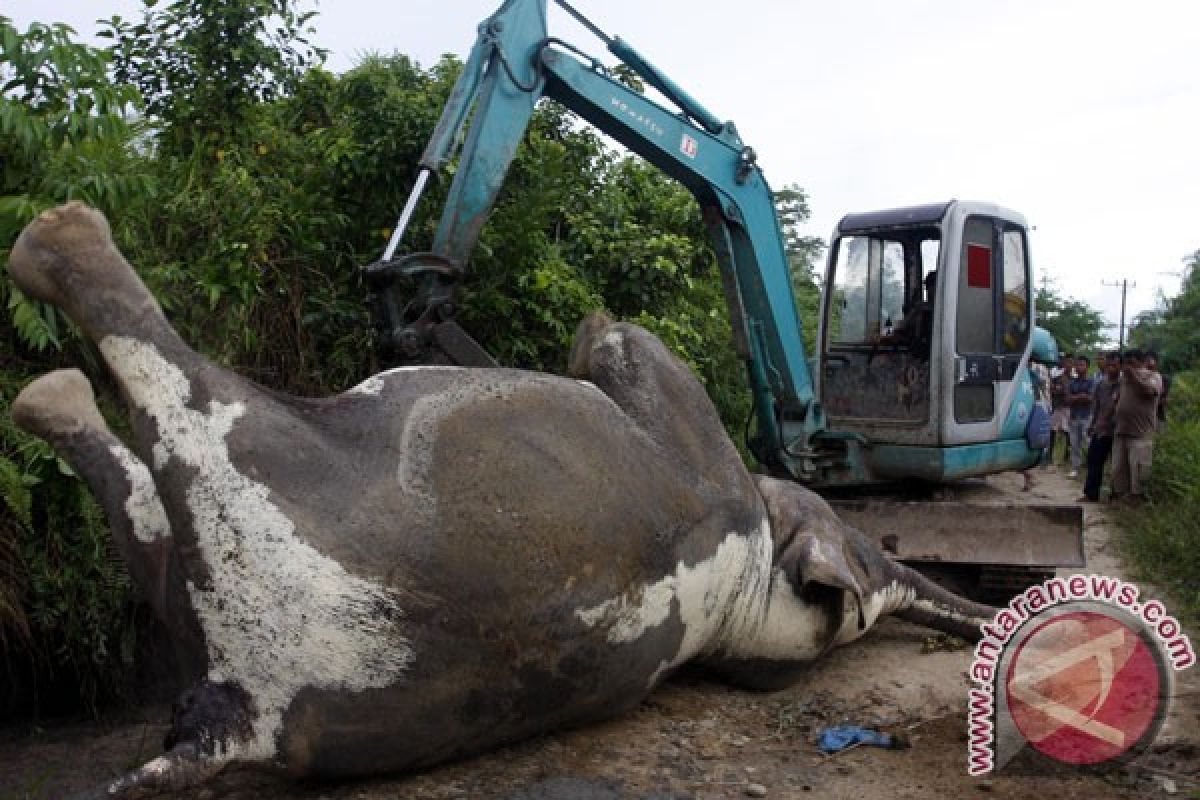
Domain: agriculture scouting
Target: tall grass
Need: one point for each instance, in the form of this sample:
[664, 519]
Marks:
[1163, 537]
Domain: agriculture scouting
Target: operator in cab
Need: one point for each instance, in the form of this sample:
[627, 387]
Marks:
[915, 331]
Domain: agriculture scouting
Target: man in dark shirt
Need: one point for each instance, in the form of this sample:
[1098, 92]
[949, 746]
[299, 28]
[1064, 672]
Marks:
[1079, 401]
[1136, 421]
[1104, 407]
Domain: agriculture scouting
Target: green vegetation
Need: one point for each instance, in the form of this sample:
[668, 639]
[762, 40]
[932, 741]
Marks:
[1163, 538]
[1076, 326]
[248, 185]
[1171, 330]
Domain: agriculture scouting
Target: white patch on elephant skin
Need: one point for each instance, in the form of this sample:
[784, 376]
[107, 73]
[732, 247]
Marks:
[374, 385]
[160, 453]
[371, 386]
[720, 599]
[593, 387]
[942, 612]
[630, 615]
[143, 506]
[887, 600]
[279, 616]
[791, 630]
[796, 631]
[613, 338]
[159, 766]
[415, 460]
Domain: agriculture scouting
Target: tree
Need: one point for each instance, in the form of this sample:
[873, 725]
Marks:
[804, 255]
[1171, 328]
[203, 66]
[63, 136]
[1076, 326]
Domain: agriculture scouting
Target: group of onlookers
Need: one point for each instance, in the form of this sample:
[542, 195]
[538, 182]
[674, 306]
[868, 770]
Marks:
[1115, 412]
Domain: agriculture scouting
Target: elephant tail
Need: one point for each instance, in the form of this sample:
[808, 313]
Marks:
[180, 768]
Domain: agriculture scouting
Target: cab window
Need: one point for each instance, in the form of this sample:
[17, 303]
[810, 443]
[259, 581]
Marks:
[877, 280]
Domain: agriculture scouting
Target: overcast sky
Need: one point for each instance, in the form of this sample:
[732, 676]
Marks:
[1083, 116]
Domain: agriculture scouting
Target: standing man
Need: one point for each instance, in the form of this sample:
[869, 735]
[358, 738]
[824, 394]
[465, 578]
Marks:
[1060, 414]
[1104, 407]
[1152, 364]
[1136, 420]
[1079, 403]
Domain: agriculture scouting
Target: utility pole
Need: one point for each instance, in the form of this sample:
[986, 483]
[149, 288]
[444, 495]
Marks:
[1125, 286]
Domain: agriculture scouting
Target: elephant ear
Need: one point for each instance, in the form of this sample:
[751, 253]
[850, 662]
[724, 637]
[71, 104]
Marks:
[815, 559]
[815, 549]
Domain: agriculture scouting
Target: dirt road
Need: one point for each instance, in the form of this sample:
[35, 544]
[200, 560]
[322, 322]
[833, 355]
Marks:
[703, 741]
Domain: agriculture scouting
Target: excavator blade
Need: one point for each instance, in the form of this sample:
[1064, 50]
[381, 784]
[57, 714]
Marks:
[1008, 546]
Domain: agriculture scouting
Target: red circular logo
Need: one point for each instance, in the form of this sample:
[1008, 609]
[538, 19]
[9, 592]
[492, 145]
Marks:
[1086, 687]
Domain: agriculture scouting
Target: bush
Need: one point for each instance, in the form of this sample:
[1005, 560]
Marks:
[1163, 537]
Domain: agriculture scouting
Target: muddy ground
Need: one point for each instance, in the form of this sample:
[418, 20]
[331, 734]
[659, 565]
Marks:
[701, 740]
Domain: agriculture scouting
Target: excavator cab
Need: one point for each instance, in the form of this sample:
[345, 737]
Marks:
[926, 337]
[923, 357]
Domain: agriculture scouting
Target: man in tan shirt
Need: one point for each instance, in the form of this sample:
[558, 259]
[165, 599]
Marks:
[1136, 420]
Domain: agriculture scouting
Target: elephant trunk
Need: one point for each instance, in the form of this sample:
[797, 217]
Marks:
[925, 603]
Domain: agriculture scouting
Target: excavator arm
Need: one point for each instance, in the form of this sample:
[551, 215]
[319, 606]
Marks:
[514, 64]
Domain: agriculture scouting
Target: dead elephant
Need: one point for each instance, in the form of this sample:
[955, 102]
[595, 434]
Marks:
[440, 560]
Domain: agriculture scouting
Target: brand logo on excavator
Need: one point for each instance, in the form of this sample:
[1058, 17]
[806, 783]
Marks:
[1076, 668]
[632, 113]
[689, 146]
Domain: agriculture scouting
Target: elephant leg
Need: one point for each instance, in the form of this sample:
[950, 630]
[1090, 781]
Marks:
[660, 393]
[60, 408]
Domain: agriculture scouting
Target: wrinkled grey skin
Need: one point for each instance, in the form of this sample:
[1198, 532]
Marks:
[440, 560]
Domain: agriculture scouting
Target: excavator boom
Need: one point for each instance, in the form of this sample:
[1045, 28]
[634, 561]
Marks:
[513, 64]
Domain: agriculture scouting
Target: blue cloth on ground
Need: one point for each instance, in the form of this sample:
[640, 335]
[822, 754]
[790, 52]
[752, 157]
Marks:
[839, 737]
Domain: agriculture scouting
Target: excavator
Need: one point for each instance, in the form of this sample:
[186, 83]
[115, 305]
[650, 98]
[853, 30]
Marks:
[921, 375]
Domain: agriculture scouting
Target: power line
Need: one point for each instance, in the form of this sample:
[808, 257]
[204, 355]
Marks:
[1125, 286]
